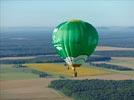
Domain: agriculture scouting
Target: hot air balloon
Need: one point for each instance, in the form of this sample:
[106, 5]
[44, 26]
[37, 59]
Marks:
[74, 41]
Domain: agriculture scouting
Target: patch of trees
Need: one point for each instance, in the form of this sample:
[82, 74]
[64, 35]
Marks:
[96, 89]
[110, 66]
[98, 58]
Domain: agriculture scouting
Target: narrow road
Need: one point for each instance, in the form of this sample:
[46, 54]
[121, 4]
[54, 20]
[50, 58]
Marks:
[32, 89]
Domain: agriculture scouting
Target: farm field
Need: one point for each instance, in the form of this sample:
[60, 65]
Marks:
[16, 84]
[29, 89]
[8, 72]
[109, 48]
[60, 69]
[20, 85]
[122, 61]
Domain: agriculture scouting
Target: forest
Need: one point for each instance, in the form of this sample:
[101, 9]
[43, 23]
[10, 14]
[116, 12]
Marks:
[38, 41]
[95, 89]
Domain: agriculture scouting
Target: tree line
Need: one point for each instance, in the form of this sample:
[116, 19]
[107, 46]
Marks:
[96, 89]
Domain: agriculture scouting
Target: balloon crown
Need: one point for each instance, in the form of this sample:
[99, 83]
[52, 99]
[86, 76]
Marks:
[74, 20]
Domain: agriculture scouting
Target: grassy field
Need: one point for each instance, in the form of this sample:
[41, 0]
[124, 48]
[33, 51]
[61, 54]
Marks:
[123, 61]
[61, 70]
[8, 72]
[107, 48]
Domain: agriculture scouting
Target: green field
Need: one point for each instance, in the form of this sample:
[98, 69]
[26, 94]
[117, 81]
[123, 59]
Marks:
[9, 72]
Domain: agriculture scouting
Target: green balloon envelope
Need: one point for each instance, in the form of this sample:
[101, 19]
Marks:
[74, 41]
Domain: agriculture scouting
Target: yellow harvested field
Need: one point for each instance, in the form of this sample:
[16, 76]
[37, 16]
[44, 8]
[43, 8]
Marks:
[60, 69]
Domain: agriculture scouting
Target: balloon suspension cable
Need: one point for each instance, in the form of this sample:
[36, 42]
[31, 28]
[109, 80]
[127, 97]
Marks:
[67, 66]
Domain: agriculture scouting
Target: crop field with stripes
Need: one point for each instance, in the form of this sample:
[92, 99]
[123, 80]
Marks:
[60, 69]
